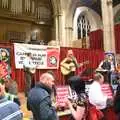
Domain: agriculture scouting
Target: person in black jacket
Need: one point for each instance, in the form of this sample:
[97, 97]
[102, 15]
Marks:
[77, 101]
[39, 99]
[117, 102]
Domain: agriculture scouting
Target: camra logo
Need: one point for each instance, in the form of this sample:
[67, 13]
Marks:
[53, 60]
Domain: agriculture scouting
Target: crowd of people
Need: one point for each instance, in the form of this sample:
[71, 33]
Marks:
[98, 102]
[91, 105]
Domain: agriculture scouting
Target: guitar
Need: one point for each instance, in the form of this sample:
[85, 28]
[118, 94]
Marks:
[66, 68]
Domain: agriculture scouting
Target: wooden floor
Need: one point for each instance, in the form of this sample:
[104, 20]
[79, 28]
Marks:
[27, 114]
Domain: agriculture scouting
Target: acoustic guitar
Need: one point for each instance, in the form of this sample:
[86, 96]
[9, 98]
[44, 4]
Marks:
[66, 68]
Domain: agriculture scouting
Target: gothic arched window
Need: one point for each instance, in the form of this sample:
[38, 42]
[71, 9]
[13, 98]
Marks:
[83, 27]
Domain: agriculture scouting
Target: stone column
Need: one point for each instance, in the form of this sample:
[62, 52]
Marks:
[56, 29]
[59, 28]
[69, 32]
[112, 33]
[108, 25]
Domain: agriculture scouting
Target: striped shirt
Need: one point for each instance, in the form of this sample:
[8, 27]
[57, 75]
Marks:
[9, 110]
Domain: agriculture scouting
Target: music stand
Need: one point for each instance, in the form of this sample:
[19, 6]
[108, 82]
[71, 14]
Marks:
[106, 74]
[87, 73]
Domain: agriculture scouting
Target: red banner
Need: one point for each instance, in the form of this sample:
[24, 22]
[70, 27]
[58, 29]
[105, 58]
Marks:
[53, 57]
[62, 95]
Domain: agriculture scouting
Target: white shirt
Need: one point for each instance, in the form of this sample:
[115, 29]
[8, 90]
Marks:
[96, 96]
[28, 63]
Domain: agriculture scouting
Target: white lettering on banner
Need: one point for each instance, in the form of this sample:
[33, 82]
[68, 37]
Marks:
[40, 55]
[62, 93]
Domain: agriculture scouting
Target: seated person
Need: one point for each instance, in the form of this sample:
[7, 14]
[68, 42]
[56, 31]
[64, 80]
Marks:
[77, 104]
[97, 99]
[9, 110]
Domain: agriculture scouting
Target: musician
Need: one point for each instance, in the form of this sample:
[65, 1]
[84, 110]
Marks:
[106, 67]
[107, 63]
[28, 65]
[69, 64]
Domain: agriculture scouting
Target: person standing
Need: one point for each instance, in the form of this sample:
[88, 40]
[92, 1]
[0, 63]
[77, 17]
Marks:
[69, 65]
[9, 110]
[29, 69]
[39, 99]
[107, 64]
[106, 67]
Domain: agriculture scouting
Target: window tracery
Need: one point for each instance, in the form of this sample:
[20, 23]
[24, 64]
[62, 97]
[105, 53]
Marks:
[83, 29]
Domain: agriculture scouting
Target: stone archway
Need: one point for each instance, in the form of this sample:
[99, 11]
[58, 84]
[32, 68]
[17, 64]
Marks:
[71, 21]
[92, 16]
[57, 10]
[64, 17]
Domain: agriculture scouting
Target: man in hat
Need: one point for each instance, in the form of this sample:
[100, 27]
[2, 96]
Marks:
[106, 67]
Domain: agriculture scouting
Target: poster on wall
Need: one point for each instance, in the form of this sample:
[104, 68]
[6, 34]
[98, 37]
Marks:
[44, 57]
[53, 57]
[62, 93]
[5, 69]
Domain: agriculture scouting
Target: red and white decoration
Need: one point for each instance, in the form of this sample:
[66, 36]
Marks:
[44, 57]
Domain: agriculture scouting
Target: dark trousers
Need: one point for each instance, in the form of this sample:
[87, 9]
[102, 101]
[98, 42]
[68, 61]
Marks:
[107, 76]
[118, 116]
[28, 81]
[67, 77]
